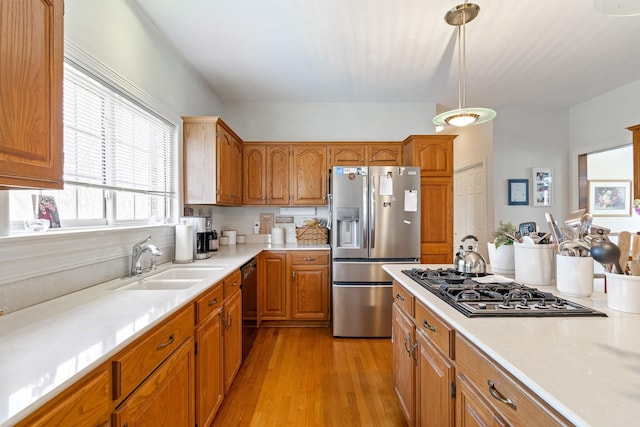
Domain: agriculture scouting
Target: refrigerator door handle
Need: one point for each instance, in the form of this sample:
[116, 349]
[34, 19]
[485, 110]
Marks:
[364, 221]
[330, 219]
[372, 208]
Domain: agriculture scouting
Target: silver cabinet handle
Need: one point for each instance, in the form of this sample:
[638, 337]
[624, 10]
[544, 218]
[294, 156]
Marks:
[309, 259]
[426, 325]
[406, 341]
[498, 396]
[399, 297]
[166, 343]
[212, 302]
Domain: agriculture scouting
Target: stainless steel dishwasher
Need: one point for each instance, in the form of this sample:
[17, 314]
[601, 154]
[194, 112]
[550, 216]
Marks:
[249, 305]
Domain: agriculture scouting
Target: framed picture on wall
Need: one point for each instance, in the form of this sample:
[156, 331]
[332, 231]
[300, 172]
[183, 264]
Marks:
[518, 191]
[542, 186]
[610, 198]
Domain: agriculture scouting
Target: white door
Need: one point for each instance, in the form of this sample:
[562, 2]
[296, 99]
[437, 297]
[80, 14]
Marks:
[469, 207]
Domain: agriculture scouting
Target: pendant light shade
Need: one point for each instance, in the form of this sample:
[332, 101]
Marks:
[459, 16]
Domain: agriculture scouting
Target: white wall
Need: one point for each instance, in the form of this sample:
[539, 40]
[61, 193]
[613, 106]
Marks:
[117, 34]
[524, 139]
[598, 124]
[328, 121]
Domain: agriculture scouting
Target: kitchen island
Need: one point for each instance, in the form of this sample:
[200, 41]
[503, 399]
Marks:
[46, 348]
[585, 368]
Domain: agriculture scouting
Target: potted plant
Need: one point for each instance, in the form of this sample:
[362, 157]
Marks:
[500, 249]
[636, 206]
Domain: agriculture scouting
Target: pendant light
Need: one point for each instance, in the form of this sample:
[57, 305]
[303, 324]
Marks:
[459, 16]
[617, 7]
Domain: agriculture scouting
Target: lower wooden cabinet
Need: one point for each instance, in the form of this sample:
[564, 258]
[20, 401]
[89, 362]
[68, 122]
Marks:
[404, 377]
[209, 376]
[232, 337]
[86, 404]
[494, 388]
[166, 397]
[442, 379]
[294, 286]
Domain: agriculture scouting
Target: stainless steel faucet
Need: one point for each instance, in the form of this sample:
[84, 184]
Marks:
[136, 255]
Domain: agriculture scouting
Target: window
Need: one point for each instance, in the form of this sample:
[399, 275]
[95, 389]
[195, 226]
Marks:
[118, 159]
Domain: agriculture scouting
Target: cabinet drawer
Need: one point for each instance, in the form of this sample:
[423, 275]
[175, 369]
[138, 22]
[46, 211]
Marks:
[209, 302]
[403, 298]
[232, 283]
[512, 400]
[134, 364]
[440, 334]
[310, 258]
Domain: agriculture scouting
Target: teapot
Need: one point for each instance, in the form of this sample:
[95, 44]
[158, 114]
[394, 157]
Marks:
[469, 260]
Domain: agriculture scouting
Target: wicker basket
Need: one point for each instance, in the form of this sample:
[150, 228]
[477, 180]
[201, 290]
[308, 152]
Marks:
[312, 235]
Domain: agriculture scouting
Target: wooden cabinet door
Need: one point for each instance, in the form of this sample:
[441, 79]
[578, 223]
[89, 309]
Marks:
[166, 397]
[236, 172]
[434, 154]
[224, 174]
[199, 161]
[209, 368]
[254, 167]
[404, 380]
[86, 404]
[232, 341]
[435, 377]
[347, 155]
[384, 155]
[309, 292]
[31, 42]
[272, 286]
[436, 220]
[309, 174]
[277, 175]
[472, 410]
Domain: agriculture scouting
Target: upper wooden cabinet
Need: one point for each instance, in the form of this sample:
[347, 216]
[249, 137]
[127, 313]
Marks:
[309, 174]
[433, 153]
[366, 154]
[266, 174]
[212, 156]
[31, 41]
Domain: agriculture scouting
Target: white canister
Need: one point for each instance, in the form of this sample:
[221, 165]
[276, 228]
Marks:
[232, 235]
[241, 239]
[501, 258]
[623, 292]
[534, 264]
[574, 275]
[224, 240]
[277, 236]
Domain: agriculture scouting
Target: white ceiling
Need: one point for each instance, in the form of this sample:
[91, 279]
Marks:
[520, 53]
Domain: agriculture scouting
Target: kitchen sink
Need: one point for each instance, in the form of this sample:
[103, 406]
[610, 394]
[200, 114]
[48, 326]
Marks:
[186, 273]
[175, 278]
[158, 285]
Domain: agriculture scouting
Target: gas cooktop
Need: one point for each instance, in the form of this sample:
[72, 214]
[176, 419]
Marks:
[483, 297]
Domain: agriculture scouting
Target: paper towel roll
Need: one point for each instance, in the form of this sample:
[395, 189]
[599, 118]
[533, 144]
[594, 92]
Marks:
[277, 236]
[184, 243]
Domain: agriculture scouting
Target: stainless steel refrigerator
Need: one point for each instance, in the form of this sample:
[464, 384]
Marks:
[374, 219]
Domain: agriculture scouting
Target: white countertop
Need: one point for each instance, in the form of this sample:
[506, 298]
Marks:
[587, 368]
[47, 347]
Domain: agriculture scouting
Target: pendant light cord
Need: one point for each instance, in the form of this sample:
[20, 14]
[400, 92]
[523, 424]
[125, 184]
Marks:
[462, 62]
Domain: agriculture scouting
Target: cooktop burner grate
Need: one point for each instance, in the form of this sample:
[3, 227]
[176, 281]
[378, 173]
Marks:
[499, 299]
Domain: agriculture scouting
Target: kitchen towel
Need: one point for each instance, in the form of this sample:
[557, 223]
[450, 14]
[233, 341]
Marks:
[277, 236]
[184, 243]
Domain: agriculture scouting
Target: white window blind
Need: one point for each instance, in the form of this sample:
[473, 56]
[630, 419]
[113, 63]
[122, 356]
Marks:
[113, 143]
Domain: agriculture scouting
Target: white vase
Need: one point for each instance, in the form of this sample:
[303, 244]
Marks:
[535, 264]
[501, 259]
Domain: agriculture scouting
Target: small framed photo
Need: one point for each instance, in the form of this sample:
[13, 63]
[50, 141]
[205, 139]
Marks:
[542, 186]
[610, 198]
[518, 191]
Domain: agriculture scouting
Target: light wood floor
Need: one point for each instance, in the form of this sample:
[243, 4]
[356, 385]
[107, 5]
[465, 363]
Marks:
[305, 377]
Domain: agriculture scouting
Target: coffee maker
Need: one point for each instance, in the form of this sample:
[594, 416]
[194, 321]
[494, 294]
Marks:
[200, 235]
